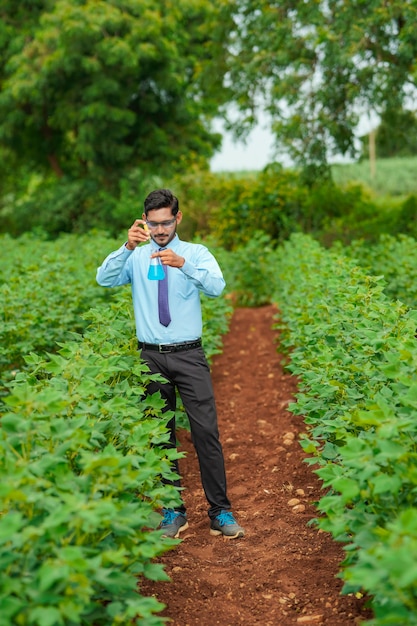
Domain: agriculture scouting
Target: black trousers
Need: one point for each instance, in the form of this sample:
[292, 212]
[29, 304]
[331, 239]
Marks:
[189, 372]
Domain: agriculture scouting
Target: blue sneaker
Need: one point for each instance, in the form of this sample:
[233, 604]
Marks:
[173, 523]
[226, 525]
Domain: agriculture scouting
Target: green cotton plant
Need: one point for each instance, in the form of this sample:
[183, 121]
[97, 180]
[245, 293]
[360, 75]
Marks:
[391, 569]
[45, 288]
[394, 258]
[354, 352]
[81, 461]
[216, 314]
[249, 271]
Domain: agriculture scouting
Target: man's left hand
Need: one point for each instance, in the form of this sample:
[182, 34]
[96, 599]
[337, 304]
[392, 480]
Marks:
[168, 257]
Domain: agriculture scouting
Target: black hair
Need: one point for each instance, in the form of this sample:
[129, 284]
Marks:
[161, 199]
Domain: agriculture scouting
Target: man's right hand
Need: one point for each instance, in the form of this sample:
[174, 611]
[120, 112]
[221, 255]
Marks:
[137, 234]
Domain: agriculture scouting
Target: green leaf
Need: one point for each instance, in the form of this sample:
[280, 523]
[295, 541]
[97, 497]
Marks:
[45, 616]
[385, 483]
[347, 487]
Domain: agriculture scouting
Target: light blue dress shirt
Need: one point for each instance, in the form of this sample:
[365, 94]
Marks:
[200, 273]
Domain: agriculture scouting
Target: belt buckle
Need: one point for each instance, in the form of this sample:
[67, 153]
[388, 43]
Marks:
[163, 348]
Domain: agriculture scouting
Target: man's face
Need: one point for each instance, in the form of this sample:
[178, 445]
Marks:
[162, 225]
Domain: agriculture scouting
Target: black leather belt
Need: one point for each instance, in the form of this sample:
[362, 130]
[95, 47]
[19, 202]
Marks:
[170, 347]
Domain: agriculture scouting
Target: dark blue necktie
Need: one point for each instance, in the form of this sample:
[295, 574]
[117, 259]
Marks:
[163, 305]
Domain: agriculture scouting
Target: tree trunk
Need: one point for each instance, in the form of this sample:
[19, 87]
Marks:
[54, 163]
[372, 153]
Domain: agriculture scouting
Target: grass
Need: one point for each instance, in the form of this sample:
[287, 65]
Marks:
[393, 177]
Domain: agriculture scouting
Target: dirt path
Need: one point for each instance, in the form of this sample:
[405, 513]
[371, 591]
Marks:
[283, 572]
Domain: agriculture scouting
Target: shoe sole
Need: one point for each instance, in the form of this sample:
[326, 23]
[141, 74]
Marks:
[216, 533]
[180, 529]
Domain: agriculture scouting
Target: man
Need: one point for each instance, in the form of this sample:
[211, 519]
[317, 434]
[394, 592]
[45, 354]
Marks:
[168, 327]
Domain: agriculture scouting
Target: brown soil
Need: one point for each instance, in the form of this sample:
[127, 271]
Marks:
[284, 571]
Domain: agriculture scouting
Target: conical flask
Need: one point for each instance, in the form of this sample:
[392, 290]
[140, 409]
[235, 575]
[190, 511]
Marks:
[156, 271]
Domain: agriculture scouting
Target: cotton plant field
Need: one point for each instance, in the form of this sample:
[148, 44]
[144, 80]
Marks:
[81, 445]
[395, 258]
[45, 287]
[354, 350]
[81, 453]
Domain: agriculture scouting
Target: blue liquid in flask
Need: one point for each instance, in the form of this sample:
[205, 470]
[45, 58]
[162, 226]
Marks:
[156, 271]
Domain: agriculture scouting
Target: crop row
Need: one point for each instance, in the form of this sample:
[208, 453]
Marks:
[395, 258]
[82, 446]
[45, 287]
[81, 463]
[354, 352]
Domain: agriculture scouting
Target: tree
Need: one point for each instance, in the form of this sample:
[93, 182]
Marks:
[318, 66]
[92, 87]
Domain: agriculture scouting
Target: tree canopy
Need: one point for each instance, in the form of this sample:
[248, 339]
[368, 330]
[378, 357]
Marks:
[317, 66]
[91, 87]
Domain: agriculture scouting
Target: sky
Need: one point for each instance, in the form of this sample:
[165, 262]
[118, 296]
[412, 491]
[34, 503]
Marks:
[257, 152]
[254, 154]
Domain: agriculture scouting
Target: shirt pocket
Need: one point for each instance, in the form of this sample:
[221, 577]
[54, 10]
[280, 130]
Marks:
[183, 287]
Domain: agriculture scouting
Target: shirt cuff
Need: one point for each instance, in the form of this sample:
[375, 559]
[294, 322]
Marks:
[124, 251]
[188, 268]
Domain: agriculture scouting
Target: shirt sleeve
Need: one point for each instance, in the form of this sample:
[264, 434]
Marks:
[204, 271]
[115, 270]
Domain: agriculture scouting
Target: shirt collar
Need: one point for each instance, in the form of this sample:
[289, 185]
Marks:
[174, 243]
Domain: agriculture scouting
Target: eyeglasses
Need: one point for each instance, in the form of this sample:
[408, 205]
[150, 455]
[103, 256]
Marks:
[166, 224]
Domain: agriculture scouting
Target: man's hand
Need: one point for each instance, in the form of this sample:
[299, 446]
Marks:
[136, 234]
[168, 257]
